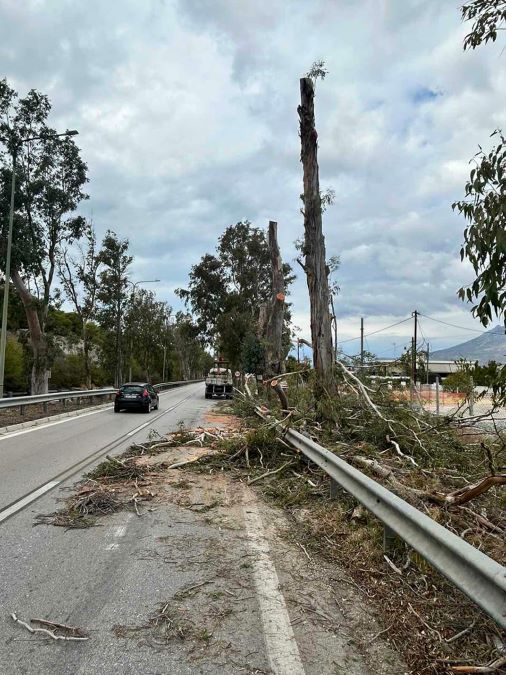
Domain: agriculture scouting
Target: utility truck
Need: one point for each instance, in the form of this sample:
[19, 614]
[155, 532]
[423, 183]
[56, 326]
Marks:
[219, 380]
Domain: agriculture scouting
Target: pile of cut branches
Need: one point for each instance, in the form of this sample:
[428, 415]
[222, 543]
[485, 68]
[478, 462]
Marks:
[126, 481]
[454, 473]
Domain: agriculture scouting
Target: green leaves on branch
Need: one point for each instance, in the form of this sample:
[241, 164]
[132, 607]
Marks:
[485, 236]
[226, 289]
[489, 17]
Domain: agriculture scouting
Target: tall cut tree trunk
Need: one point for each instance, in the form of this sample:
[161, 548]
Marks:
[273, 331]
[38, 342]
[86, 355]
[314, 242]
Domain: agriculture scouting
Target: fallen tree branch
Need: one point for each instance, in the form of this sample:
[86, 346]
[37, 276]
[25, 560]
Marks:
[469, 492]
[375, 466]
[363, 390]
[78, 632]
[489, 668]
[399, 451]
[283, 375]
[275, 385]
[462, 633]
[45, 631]
[178, 465]
[270, 473]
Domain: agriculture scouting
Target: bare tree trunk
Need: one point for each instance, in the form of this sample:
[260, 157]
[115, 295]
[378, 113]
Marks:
[314, 241]
[118, 375]
[86, 356]
[38, 343]
[334, 322]
[273, 332]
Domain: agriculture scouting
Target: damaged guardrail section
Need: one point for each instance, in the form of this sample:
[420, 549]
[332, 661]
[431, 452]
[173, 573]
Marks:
[83, 393]
[482, 579]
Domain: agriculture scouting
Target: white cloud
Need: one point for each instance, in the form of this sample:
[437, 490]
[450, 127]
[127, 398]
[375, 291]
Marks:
[187, 119]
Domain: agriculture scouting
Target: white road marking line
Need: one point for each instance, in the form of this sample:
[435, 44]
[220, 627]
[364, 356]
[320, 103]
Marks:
[49, 424]
[26, 500]
[282, 650]
[118, 532]
[134, 431]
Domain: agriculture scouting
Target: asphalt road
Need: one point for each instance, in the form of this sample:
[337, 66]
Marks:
[31, 459]
[95, 577]
[113, 578]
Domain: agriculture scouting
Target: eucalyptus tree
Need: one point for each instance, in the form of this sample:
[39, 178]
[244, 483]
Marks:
[50, 178]
[113, 299]
[146, 322]
[78, 270]
[191, 358]
[488, 17]
[484, 203]
[226, 289]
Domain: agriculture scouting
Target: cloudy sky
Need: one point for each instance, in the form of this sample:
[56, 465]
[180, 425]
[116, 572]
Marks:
[187, 117]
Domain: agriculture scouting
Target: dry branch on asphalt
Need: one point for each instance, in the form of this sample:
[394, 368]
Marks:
[50, 633]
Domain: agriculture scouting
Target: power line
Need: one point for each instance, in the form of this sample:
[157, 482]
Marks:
[340, 342]
[454, 325]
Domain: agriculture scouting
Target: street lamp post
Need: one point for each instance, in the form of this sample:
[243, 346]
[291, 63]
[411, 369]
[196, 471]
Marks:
[5, 308]
[134, 286]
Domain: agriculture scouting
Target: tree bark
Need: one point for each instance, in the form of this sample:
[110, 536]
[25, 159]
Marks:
[118, 373]
[86, 355]
[274, 316]
[38, 342]
[314, 241]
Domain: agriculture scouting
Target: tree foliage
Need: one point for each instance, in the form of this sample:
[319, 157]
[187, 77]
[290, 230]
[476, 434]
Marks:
[484, 246]
[146, 329]
[15, 375]
[190, 358]
[79, 275]
[488, 17]
[50, 179]
[226, 289]
[113, 299]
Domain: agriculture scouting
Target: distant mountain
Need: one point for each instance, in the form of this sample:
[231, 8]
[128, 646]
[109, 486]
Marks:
[490, 346]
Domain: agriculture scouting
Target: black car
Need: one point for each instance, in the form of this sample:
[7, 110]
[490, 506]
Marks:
[136, 395]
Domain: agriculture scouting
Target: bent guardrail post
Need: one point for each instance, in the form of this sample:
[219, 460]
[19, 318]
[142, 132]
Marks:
[482, 579]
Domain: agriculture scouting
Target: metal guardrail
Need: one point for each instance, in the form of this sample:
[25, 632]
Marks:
[15, 402]
[482, 579]
[169, 385]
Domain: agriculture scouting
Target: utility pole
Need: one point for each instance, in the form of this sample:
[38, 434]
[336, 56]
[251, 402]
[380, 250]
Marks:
[412, 387]
[414, 366]
[428, 354]
[362, 342]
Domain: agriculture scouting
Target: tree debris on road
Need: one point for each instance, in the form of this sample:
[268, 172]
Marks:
[60, 630]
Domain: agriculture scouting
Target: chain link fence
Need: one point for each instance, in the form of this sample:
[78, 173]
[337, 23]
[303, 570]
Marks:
[477, 403]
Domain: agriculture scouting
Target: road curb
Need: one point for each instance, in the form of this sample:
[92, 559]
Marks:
[51, 418]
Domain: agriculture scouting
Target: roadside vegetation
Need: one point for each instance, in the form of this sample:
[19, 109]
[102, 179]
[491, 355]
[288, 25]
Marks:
[439, 466]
